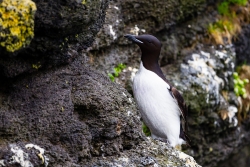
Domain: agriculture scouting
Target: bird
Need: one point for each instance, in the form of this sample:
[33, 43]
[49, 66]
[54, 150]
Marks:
[161, 105]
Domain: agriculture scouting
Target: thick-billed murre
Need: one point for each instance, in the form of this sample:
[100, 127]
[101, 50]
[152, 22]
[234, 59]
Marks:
[162, 107]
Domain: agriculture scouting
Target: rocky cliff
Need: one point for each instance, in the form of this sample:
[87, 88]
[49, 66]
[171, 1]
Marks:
[59, 108]
[201, 70]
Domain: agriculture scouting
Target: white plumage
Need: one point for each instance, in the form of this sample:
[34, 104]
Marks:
[158, 108]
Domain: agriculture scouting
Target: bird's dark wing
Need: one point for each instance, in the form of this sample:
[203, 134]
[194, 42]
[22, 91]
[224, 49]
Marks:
[184, 112]
[181, 103]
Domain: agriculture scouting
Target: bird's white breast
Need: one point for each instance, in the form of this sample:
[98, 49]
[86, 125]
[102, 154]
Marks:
[158, 108]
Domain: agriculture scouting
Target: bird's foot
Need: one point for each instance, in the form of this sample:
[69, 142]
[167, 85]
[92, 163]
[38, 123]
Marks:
[178, 147]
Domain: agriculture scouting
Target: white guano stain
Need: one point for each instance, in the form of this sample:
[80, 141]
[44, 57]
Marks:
[112, 32]
[116, 7]
[232, 110]
[135, 30]
[124, 94]
[45, 160]
[20, 157]
[2, 163]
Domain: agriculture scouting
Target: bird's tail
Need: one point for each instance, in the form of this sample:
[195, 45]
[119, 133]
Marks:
[184, 136]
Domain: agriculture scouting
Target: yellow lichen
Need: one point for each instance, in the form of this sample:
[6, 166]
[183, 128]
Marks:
[36, 66]
[83, 2]
[16, 23]
[41, 157]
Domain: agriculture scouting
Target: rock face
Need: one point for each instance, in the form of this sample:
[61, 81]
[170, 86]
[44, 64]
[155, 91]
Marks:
[74, 113]
[147, 153]
[59, 108]
[205, 81]
[202, 72]
[242, 46]
[70, 115]
[74, 116]
[62, 28]
[136, 17]
[241, 158]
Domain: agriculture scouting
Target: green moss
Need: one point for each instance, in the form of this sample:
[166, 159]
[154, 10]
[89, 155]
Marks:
[112, 77]
[222, 26]
[238, 2]
[228, 25]
[16, 23]
[239, 85]
[117, 70]
[223, 8]
[145, 129]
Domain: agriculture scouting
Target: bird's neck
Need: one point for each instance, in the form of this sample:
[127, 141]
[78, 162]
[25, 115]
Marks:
[152, 64]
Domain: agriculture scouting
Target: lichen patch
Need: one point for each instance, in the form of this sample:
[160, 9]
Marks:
[16, 24]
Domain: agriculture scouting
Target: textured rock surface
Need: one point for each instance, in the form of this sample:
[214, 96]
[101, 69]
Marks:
[147, 153]
[202, 78]
[202, 72]
[136, 17]
[73, 113]
[61, 29]
[74, 116]
[241, 158]
[80, 118]
[242, 46]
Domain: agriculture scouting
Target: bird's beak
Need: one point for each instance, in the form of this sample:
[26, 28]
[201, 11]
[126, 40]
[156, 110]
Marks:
[132, 38]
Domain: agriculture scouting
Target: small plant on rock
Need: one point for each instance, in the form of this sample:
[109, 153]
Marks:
[223, 7]
[229, 21]
[117, 70]
[238, 2]
[145, 129]
[239, 85]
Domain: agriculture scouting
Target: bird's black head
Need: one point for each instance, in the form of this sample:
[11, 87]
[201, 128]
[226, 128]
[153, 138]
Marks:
[150, 46]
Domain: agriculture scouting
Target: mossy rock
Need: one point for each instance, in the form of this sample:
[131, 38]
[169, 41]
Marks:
[62, 29]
